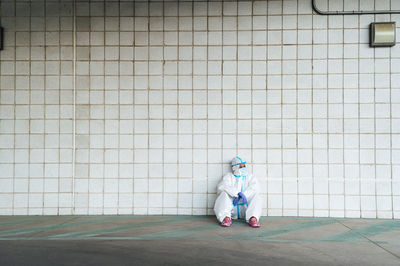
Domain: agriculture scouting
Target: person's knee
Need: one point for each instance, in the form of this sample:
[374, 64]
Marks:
[223, 199]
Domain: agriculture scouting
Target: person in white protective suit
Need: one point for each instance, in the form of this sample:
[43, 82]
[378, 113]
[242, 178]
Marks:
[238, 196]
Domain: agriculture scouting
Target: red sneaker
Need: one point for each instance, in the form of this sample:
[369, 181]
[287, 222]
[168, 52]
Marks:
[253, 222]
[226, 222]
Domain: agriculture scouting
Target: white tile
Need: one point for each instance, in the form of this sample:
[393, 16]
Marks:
[170, 200]
[20, 200]
[185, 200]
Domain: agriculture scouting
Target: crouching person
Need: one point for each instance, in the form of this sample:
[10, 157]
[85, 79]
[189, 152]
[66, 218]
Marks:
[238, 197]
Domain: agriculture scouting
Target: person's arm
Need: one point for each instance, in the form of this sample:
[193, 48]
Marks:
[225, 185]
[252, 187]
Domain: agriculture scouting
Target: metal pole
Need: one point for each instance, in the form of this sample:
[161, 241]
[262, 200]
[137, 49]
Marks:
[320, 12]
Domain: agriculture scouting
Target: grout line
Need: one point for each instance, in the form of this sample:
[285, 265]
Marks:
[74, 108]
[297, 109]
[391, 125]
[358, 122]
[104, 107]
[164, 180]
[119, 110]
[29, 129]
[44, 110]
[192, 112]
[266, 116]
[206, 89]
[148, 208]
[134, 183]
[15, 115]
[342, 89]
[177, 109]
[221, 80]
[89, 155]
[374, 135]
[327, 124]
[59, 116]
[311, 118]
[282, 195]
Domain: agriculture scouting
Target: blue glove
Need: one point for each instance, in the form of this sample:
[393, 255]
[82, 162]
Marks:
[243, 197]
[235, 201]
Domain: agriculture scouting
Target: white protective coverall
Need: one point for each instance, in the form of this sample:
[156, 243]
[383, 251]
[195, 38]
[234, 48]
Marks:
[228, 189]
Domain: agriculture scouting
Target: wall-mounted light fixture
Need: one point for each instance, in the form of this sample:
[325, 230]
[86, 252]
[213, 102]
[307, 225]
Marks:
[383, 34]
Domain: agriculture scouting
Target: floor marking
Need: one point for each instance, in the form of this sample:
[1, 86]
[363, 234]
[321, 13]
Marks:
[118, 228]
[24, 220]
[66, 224]
[366, 231]
[283, 230]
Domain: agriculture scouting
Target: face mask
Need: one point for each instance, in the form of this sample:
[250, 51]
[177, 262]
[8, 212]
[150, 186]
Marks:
[243, 171]
[236, 172]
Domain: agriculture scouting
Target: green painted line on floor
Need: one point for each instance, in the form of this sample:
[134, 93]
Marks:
[119, 228]
[263, 234]
[278, 240]
[26, 220]
[188, 233]
[211, 226]
[367, 231]
[67, 224]
[34, 226]
[179, 233]
[127, 238]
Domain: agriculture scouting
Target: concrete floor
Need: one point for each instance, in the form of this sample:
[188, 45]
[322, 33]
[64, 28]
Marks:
[196, 240]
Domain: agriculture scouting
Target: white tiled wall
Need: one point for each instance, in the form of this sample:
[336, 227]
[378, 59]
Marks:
[136, 107]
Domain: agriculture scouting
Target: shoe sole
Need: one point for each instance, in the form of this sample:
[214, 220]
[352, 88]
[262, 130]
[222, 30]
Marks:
[255, 226]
